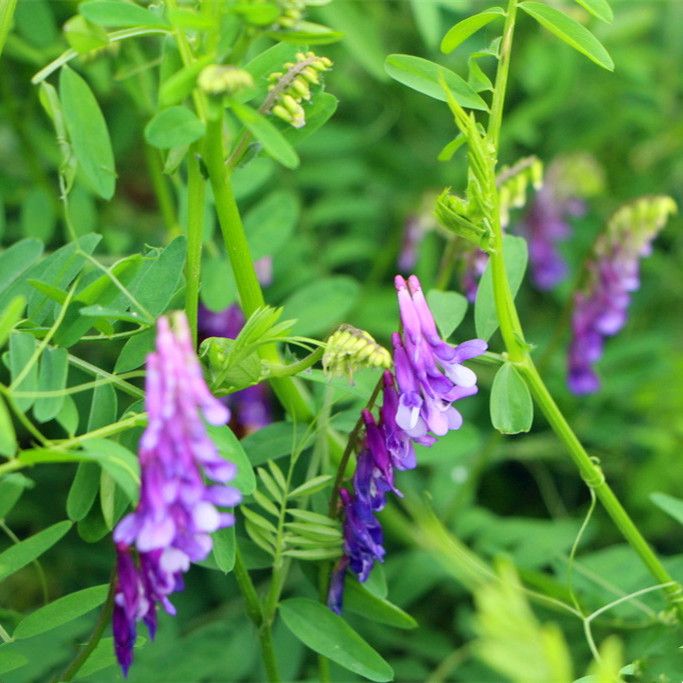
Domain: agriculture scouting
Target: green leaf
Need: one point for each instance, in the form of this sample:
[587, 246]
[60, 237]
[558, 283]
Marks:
[103, 656]
[318, 113]
[423, 76]
[174, 127]
[428, 21]
[672, 506]
[448, 308]
[103, 407]
[10, 317]
[8, 437]
[155, 289]
[17, 259]
[467, 27]
[515, 255]
[119, 462]
[599, 9]
[361, 38]
[312, 517]
[61, 611]
[101, 291]
[88, 132]
[224, 548]
[322, 304]
[267, 134]
[311, 486]
[135, 350]
[512, 410]
[54, 367]
[230, 449]
[21, 348]
[98, 311]
[11, 488]
[273, 441]
[19, 555]
[258, 15]
[83, 490]
[68, 416]
[59, 270]
[10, 660]
[569, 30]
[7, 8]
[361, 601]
[329, 635]
[119, 14]
[307, 33]
[258, 520]
[270, 223]
[84, 36]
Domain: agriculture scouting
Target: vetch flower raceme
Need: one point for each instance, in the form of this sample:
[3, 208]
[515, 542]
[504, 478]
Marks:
[430, 375]
[600, 309]
[177, 510]
[429, 372]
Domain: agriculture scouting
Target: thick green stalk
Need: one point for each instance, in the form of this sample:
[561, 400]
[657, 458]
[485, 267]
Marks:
[196, 192]
[255, 613]
[593, 476]
[518, 353]
[102, 622]
[251, 297]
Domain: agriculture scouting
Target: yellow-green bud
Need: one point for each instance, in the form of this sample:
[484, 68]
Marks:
[300, 88]
[350, 349]
[217, 79]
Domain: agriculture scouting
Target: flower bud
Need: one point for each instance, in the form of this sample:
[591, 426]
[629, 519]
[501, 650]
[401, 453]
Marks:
[217, 79]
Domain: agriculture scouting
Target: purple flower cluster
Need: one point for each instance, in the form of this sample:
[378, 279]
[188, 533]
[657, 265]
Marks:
[601, 308]
[545, 225]
[251, 406]
[416, 408]
[177, 510]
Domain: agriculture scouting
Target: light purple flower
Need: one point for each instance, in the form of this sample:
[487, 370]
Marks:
[429, 372]
[177, 512]
[601, 308]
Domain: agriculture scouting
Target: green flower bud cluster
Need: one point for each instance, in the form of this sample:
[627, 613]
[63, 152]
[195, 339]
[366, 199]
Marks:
[350, 349]
[287, 90]
[513, 184]
[576, 175]
[292, 13]
[219, 79]
[455, 214]
[635, 224]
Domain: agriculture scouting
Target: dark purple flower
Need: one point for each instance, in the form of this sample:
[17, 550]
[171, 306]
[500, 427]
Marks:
[601, 308]
[335, 596]
[362, 536]
[429, 372]
[474, 264]
[177, 510]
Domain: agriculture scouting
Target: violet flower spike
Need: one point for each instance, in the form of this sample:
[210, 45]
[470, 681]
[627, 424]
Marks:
[429, 372]
[177, 510]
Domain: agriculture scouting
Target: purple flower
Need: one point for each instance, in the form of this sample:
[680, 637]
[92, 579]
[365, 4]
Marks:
[177, 510]
[429, 372]
[545, 225]
[601, 308]
[398, 443]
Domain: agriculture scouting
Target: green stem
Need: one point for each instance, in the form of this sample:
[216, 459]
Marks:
[518, 353]
[593, 476]
[255, 613]
[251, 297]
[196, 192]
[104, 618]
[162, 192]
[498, 100]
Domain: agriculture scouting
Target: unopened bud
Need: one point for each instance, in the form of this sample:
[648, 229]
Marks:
[217, 79]
[350, 349]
